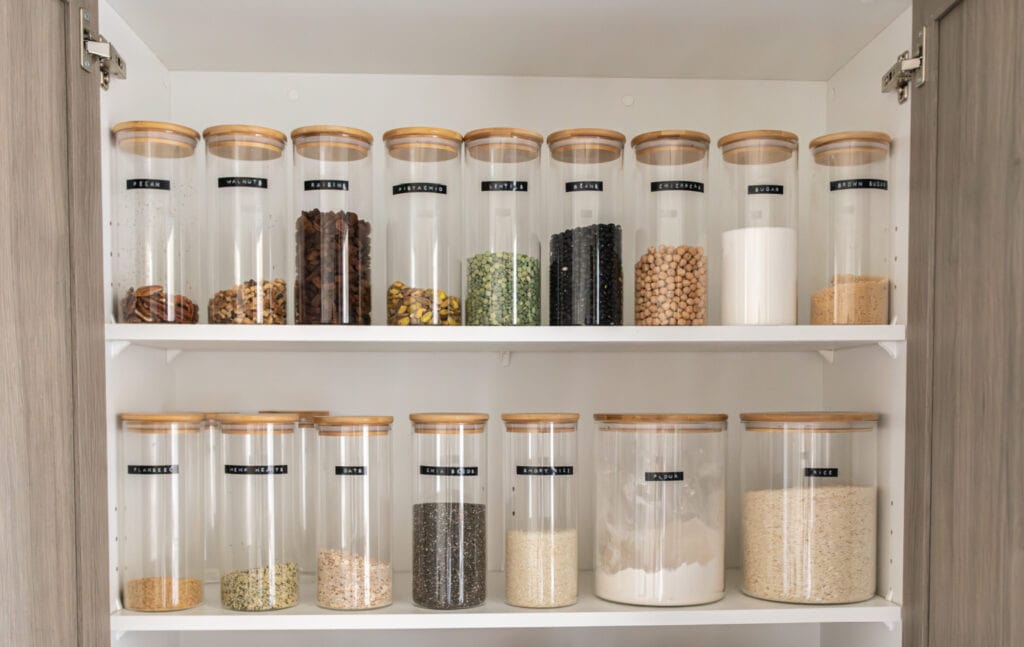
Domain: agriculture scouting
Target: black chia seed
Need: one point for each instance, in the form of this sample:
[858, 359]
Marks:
[449, 559]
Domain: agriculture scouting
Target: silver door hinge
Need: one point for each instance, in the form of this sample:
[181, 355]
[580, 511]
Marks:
[906, 70]
[97, 51]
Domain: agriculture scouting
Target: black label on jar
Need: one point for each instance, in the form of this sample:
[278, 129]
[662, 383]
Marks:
[144, 183]
[589, 185]
[419, 187]
[152, 469]
[861, 183]
[663, 476]
[255, 469]
[677, 185]
[325, 185]
[250, 182]
[350, 470]
[765, 189]
[436, 470]
[827, 472]
[544, 470]
[504, 185]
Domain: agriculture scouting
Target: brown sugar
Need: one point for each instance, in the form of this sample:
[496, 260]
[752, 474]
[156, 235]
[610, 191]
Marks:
[852, 299]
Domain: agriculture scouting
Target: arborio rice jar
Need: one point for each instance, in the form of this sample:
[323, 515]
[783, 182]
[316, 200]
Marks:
[809, 506]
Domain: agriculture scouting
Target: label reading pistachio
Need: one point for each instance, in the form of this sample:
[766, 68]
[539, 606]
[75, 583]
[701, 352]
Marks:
[255, 469]
[823, 472]
[437, 470]
[504, 185]
[419, 187]
[544, 470]
[152, 469]
[861, 183]
[350, 470]
[146, 183]
[250, 182]
[663, 476]
[677, 185]
[325, 185]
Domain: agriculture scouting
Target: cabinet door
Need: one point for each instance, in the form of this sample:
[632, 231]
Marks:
[964, 582]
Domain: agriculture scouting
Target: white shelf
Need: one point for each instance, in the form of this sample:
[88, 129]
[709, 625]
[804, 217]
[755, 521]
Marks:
[529, 339]
[590, 611]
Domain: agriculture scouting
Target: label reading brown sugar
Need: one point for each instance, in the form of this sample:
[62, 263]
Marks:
[859, 183]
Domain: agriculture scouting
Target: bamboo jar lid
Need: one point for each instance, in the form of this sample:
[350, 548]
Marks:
[256, 423]
[665, 422]
[157, 139]
[779, 147]
[354, 425]
[306, 417]
[851, 148]
[422, 144]
[812, 421]
[244, 142]
[599, 145]
[161, 423]
[448, 423]
[540, 422]
[670, 147]
[503, 145]
[332, 143]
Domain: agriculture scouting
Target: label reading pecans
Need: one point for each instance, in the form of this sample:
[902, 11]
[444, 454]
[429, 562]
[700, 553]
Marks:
[677, 185]
[146, 183]
[255, 469]
[590, 185]
[544, 470]
[663, 476]
[419, 187]
[504, 185]
[152, 469]
[325, 185]
[861, 183]
[250, 182]
[435, 470]
[826, 472]
[765, 189]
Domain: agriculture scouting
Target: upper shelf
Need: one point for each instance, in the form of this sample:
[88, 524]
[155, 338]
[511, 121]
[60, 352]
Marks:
[530, 339]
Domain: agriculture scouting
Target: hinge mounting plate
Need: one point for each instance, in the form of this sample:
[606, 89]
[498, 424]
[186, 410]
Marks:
[906, 70]
[98, 52]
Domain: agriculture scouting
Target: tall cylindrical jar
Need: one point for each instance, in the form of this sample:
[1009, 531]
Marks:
[759, 250]
[852, 170]
[810, 495]
[424, 169]
[333, 191]
[503, 205]
[449, 522]
[247, 229]
[213, 467]
[156, 255]
[259, 570]
[354, 531]
[660, 525]
[540, 509]
[585, 282]
[671, 237]
[160, 511]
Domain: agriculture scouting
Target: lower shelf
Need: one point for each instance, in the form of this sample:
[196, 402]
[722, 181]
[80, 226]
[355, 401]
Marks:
[590, 611]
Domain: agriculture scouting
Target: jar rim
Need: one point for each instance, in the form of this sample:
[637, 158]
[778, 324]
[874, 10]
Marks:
[353, 421]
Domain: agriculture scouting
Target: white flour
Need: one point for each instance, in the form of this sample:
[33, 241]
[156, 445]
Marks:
[759, 275]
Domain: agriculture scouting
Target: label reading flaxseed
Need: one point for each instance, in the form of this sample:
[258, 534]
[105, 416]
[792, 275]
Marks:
[255, 469]
[152, 469]
[436, 470]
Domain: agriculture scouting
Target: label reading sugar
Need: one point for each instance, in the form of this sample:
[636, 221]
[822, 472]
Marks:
[827, 472]
[325, 185]
[249, 182]
[503, 185]
[663, 476]
[146, 183]
[589, 185]
[255, 469]
[677, 185]
[350, 470]
[765, 189]
[544, 470]
[435, 470]
[152, 469]
[859, 183]
[419, 187]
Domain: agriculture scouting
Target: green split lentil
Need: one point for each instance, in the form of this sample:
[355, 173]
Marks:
[261, 589]
[503, 290]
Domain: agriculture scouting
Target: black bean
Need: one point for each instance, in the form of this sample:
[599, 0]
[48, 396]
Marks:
[449, 559]
[586, 276]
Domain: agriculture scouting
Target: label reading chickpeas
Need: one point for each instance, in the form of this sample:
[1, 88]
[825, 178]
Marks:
[663, 476]
[152, 469]
[350, 470]
[544, 470]
[677, 185]
[826, 472]
[435, 470]
[255, 469]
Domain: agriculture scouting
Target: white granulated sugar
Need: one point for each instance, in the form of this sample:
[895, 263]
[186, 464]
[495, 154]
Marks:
[759, 275]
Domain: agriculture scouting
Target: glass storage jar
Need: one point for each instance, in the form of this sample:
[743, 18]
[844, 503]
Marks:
[449, 524]
[213, 466]
[333, 184]
[809, 506]
[247, 230]
[155, 227]
[423, 170]
[503, 202]
[660, 526]
[259, 570]
[160, 511]
[586, 248]
[354, 531]
[541, 562]
[671, 237]
[759, 254]
[854, 167]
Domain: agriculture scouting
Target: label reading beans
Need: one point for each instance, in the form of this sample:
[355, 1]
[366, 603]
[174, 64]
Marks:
[504, 185]
[350, 470]
[826, 472]
[677, 185]
[436, 470]
[765, 189]
[255, 469]
[250, 182]
[861, 183]
[663, 476]
[419, 187]
[571, 187]
[325, 185]
[152, 469]
[145, 183]
[544, 470]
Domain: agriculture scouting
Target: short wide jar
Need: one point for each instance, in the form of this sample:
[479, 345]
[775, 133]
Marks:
[660, 525]
[809, 506]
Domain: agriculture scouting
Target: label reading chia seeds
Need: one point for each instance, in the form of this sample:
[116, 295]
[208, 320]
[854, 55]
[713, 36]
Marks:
[436, 470]
[350, 470]
[861, 183]
[250, 182]
[663, 476]
[826, 472]
[255, 469]
[325, 185]
[762, 189]
[589, 185]
[145, 183]
[677, 185]
[544, 470]
[419, 187]
[152, 469]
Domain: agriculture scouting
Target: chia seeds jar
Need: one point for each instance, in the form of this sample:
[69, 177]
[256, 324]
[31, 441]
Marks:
[449, 528]
[333, 191]
[155, 227]
[247, 230]
[541, 562]
[503, 202]
[809, 506]
[852, 170]
[354, 531]
[257, 516]
[759, 252]
[660, 525]
[160, 511]
[423, 173]
[671, 238]
[586, 250]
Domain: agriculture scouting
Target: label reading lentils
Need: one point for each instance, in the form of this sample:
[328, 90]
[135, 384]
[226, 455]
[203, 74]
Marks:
[250, 182]
[504, 185]
[862, 183]
[325, 185]
[544, 470]
[152, 469]
[145, 183]
[350, 470]
[663, 476]
[827, 472]
[677, 185]
[590, 185]
[765, 189]
[255, 469]
[435, 470]
[419, 187]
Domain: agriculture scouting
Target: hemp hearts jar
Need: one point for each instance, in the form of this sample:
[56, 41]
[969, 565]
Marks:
[423, 172]
[671, 237]
[160, 511]
[333, 191]
[852, 171]
[246, 226]
[156, 255]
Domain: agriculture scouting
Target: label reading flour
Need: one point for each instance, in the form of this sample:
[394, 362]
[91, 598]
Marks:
[250, 182]
[350, 470]
[589, 185]
[325, 185]
[146, 183]
[504, 185]
[435, 470]
[255, 469]
[677, 185]
[765, 189]
[861, 183]
[663, 476]
[825, 472]
[419, 187]
[152, 469]
[544, 470]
